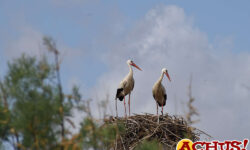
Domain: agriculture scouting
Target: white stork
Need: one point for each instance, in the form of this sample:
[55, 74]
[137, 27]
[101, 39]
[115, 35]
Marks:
[126, 86]
[159, 92]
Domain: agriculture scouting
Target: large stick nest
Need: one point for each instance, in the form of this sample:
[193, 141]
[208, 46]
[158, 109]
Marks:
[168, 131]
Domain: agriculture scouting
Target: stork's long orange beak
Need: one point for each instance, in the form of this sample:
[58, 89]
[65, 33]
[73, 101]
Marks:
[133, 64]
[168, 76]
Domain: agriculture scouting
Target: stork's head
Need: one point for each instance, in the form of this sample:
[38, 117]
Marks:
[165, 71]
[130, 62]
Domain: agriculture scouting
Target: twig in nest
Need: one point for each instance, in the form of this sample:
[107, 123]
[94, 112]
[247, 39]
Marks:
[168, 131]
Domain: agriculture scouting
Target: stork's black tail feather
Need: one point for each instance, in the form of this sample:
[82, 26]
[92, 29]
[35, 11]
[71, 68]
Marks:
[121, 98]
[119, 94]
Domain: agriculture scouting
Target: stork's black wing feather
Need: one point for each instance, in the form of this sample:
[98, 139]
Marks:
[119, 95]
[165, 99]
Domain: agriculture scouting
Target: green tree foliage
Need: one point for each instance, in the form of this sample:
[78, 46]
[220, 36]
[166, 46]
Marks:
[33, 100]
[33, 116]
[4, 124]
[148, 145]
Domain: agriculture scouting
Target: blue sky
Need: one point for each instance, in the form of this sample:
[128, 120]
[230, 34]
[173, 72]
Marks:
[83, 23]
[208, 39]
[216, 18]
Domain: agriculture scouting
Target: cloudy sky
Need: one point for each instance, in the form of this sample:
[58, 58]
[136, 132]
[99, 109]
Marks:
[208, 40]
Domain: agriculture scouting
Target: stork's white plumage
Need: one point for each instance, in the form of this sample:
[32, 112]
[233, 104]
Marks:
[126, 86]
[159, 92]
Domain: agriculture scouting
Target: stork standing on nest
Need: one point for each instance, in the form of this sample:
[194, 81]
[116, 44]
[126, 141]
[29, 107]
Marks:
[159, 92]
[126, 86]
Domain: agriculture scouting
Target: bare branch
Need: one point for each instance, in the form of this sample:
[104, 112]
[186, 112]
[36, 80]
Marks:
[192, 111]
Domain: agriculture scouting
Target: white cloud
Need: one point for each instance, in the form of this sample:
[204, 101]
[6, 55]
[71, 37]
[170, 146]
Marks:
[29, 42]
[166, 37]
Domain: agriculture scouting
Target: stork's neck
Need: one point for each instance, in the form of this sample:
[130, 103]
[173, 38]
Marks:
[161, 77]
[130, 70]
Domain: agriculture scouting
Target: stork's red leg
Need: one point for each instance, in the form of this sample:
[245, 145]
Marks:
[125, 107]
[129, 103]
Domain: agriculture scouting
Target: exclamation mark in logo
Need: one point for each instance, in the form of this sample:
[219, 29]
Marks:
[245, 144]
